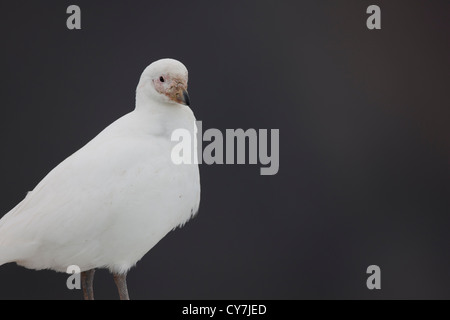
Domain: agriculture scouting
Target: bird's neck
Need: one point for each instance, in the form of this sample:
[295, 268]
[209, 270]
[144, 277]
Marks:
[160, 117]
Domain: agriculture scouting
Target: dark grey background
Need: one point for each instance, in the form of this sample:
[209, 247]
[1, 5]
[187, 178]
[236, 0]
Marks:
[364, 151]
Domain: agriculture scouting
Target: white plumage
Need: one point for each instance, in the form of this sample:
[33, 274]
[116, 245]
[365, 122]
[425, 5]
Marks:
[110, 202]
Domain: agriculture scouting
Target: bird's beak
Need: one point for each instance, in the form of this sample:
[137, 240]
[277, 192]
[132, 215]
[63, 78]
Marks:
[180, 95]
[186, 100]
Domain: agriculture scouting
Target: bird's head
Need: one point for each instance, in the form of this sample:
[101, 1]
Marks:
[165, 80]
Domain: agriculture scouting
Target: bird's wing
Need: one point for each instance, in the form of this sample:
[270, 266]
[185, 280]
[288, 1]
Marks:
[77, 198]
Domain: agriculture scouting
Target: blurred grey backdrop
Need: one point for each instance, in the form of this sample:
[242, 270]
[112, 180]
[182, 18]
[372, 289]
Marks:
[364, 150]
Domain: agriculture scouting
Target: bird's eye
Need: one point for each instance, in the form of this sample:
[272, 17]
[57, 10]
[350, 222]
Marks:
[161, 79]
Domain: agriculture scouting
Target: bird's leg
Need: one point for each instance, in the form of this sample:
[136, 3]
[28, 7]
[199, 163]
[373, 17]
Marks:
[121, 283]
[87, 281]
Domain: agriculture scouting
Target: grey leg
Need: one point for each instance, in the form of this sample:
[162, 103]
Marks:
[87, 281]
[121, 283]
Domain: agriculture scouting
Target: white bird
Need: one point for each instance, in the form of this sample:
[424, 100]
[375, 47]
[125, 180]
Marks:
[110, 202]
